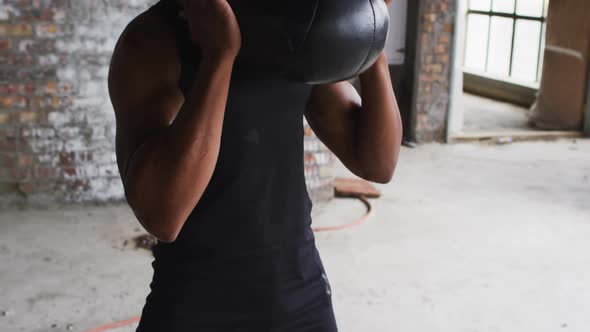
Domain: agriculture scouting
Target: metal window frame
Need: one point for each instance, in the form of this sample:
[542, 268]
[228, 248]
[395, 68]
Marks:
[491, 13]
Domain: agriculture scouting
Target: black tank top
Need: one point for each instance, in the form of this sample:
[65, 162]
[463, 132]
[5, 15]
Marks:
[256, 208]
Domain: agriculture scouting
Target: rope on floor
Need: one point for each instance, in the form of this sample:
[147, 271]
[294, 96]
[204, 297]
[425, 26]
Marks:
[360, 221]
[116, 325]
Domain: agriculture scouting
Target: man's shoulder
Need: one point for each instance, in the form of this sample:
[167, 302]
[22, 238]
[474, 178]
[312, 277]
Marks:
[144, 58]
[148, 35]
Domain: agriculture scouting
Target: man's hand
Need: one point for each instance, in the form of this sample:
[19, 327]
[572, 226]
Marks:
[213, 27]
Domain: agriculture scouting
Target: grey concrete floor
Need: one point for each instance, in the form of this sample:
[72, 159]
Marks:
[483, 114]
[466, 238]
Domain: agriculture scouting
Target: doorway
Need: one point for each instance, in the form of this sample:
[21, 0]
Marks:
[498, 57]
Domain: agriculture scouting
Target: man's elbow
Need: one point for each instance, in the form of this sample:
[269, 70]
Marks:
[158, 223]
[166, 236]
[382, 174]
[160, 220]
[383, 177]
[163, 231]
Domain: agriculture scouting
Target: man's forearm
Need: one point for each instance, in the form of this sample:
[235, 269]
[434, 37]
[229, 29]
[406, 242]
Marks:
[201, 115]
[379, 122]
[172, 169]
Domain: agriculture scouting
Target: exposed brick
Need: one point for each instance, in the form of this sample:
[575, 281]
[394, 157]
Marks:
[52, 60]
[5, 118]
[83, 159]
[13, 59]
[78, 184]
[5, 45]
[57, 126]
[65, 88]
[69, 171]
[50, 102]
[448, 27]
[444, 38]
[16, 88]
[21, 173]
[47, 30]
[13, 102]
[16, 30]
[7, 160]
[51, 88]
[37, 46]
[46, 172]
[441, 49]
[31, 187]
[433, 55]
[37, 132]
[47, 158]
[25, 161]
[27, 117]
[7, 144]
[10, 132]
[16, 74]
[40, 15]
[48, 88]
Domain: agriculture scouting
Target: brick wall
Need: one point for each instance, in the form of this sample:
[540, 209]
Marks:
[57, 127]
[434, 63]
[318, 160]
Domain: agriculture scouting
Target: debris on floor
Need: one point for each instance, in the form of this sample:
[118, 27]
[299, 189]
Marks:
[504, 140]
[7, 313]
[145, 241]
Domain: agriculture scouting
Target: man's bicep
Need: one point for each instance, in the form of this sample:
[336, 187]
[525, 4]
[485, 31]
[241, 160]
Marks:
[331, 107]
[142, 86]
[144, 100]
[331, 114]
[139, 119]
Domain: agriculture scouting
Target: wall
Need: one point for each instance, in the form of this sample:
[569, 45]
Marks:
[455, 118]
[433, 69]
[318, 162]
[562, 92]
[57, 126]
[587, 113]
[396, 38]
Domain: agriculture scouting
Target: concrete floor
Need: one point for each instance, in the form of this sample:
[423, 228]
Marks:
[467, 238]
[485, 115]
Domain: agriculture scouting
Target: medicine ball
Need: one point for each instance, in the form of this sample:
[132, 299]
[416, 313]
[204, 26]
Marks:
[311, 41]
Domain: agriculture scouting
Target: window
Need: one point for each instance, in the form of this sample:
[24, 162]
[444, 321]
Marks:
[505, 39]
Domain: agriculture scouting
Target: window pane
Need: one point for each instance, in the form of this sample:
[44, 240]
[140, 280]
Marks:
[530, 8]
[480, 5]
[526, 50]
[500, 46]
[477, 41]
[504, 6]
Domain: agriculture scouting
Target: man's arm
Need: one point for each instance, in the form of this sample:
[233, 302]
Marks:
[167, 148]
[364, 133]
